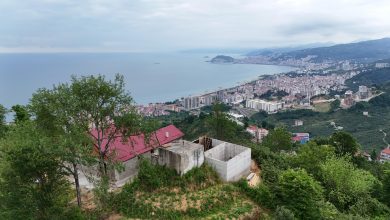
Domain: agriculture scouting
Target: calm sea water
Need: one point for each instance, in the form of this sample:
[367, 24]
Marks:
[149, 77]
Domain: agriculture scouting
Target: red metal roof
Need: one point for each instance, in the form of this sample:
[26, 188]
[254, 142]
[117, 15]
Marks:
[296, 138]
[136, 145]
[386, 151]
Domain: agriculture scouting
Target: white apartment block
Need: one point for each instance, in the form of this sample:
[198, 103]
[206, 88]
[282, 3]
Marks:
[259, 104]
[191, 102]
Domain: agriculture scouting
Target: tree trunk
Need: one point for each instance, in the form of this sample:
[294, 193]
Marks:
[102, 165]
[77, 184]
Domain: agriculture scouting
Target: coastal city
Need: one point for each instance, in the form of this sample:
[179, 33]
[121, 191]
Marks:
[176, 109]
[298, 88]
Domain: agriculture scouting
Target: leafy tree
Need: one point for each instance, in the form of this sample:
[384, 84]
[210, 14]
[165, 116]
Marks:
[282, 213]
[334, 105]
[56, 114]
[32, 184]
[368, 206]
[21, 113]
[108, 109]
[86, 116]
[246, 122]
[300, 193]
[344, 183]
[374, 154]
[3, 126]
[386, 184]
[221, 127]
[278, 139]
[344, 143]
[310, 157]
[320, 140]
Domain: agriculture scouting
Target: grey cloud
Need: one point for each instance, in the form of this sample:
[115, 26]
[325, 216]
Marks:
[138, 25]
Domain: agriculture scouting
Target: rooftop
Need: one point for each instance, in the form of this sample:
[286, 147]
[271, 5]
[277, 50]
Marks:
[136, 145]
[181, 146]
[386, 151]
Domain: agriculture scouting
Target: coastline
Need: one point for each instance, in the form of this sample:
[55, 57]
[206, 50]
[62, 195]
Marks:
[178, 75]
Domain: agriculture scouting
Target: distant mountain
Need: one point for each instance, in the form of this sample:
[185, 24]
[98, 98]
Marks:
[222, 59]
[274, 51]
[365, 51]
[217, 51]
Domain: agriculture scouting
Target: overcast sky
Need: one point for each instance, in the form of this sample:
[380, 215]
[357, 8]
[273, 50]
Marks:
[164, 25]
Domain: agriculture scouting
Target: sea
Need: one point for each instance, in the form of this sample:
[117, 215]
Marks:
[149, 77]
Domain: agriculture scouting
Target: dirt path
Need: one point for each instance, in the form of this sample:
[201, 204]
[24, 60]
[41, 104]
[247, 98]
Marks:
[384, 138]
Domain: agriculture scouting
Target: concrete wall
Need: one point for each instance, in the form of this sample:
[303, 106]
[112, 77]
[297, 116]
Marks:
[230, 161]
[180, 158]
[217, 152]
[119, 178]
[216, 142]
[130, 170]
[219, 166]
[239, 166]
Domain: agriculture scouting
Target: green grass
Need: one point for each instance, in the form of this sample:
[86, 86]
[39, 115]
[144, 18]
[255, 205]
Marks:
[216, 202]
[322, 107]
[196, 195]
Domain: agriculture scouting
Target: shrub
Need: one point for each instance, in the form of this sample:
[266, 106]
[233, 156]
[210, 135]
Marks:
[283, 213]
[261, 194]
[153, 176]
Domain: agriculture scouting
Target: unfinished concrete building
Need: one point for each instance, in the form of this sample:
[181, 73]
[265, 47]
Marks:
[231, 161]
[181, 155]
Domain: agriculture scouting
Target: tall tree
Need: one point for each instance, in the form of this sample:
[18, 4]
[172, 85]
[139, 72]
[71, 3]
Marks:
[278, 139]
[86, 116]
[3, 126]
[310, 157]
[21, 113]
[386, 184]
[104, 110]
[56, 114]
[300, 193]
[344, 183]
[32, 184]
[344, 143]
[221, 127]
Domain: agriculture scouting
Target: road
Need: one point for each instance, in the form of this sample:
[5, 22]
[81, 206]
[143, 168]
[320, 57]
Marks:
[246, 111]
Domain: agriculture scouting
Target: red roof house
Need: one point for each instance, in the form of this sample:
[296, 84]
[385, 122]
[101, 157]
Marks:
[136, 145]
[385, 155]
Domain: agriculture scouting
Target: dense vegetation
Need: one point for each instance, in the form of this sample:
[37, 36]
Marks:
[369, 78]
[319, 183]
[212, 121]
[367, 130]
[323, 179]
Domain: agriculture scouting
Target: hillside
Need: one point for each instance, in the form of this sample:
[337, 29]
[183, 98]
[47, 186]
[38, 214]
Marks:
[369, 78]
[222, 59]
[364, 51]
[279, 50]
[367, 130]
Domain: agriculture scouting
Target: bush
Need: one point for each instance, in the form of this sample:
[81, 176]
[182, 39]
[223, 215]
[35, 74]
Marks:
[299, 192]
[153, 176]
[200, 177]
[261, 194]
[283, 213]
